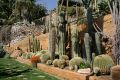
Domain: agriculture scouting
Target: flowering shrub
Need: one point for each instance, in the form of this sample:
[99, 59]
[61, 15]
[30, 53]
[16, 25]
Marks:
[35, 59]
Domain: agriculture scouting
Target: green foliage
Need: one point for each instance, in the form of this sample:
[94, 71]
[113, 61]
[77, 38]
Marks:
[49, 62]
[76, 61]
[45, 57]
[104, 63]
[12, 11]
[103, 8]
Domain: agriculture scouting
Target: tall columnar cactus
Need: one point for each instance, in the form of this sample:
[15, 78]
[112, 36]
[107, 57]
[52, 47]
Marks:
[74, 39]
[52, 39]
[34, 44]
[87, 47]
[30, 49]
[62, 33]
[98, 43]
[103, 63]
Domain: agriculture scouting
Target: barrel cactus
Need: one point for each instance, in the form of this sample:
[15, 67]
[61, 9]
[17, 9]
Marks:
[104, 63]
[64, 57]
[61, 63]
[55, 62]
[76, 61]
[49, 62]
[44, 58]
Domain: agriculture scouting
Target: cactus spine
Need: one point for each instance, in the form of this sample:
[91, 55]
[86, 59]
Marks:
[87, 47]
[98, 43]
[74, 39]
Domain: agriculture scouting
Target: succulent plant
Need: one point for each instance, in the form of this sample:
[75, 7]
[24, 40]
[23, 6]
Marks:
[87, 47]
[61, 63]
[104, 63]
[115, 72]
[49, 62]
[24, 55]
[76, 61]
[64, 57]
[55, 62]
[44, 58]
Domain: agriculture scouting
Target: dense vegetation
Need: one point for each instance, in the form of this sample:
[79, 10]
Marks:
[12, 11]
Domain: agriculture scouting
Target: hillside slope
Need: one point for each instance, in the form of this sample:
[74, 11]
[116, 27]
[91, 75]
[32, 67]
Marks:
[43, 38]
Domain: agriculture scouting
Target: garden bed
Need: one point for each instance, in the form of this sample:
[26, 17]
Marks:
[66, 74]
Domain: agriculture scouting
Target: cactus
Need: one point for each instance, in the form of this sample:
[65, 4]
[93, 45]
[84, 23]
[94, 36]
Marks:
[49, 62]
[76, 61]
[61, 63]
[52, 39]
[34, 44]
[44, 58]
[104, 63]
[64, 57]
[74, 39]
[62, 34]
[87, 47]
[55, 62]
[115, 72]
[98, 43]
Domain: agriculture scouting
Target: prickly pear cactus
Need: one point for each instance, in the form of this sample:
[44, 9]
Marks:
[104, 63]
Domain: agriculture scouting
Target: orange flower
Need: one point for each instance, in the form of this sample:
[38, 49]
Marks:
[34, 59]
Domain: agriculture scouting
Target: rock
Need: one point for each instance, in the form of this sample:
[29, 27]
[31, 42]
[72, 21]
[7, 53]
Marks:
[84, 71]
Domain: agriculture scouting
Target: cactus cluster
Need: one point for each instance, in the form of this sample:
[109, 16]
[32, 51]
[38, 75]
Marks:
[34, 44]
[27, 55]
[61, 63]
[104, 63]
[64, 57]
